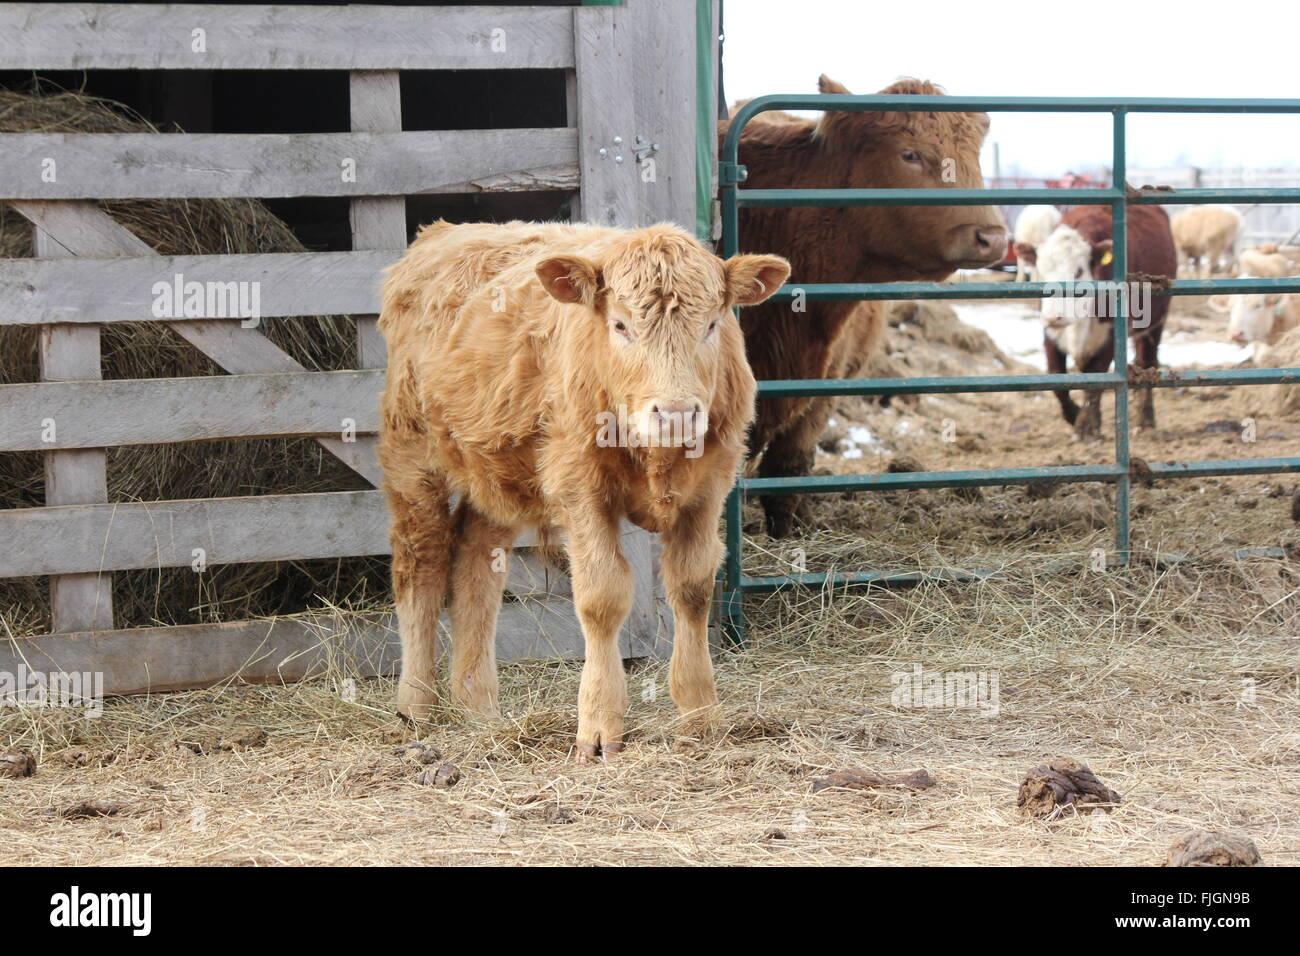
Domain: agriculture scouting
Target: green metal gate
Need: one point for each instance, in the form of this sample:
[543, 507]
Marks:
[1118, 196]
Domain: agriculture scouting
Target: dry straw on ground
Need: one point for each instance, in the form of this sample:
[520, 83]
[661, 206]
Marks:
[149, 350]
[1177, 686]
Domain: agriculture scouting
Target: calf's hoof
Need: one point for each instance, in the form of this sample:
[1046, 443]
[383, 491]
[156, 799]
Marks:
[476, 700]
[415, 702]
[590, 753]
[704, 722]
[784, 521]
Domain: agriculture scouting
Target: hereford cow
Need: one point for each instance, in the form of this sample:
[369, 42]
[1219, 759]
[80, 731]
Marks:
[1082, 327]
[850, 244]
[1033, 226]
[1206, 234]
[1260, 320]
[561, 376]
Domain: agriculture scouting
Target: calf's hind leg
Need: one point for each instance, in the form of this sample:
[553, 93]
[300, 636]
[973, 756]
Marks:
[421, 537]
[478, 576]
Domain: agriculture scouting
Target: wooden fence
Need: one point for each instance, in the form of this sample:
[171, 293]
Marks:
[631, 80]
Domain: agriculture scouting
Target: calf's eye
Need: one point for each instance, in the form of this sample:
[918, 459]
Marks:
[911, 156]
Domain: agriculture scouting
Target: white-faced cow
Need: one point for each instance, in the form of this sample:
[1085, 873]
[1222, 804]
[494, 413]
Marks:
[1081, 326]
[1033, 226]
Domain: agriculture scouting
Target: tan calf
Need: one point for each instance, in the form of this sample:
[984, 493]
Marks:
[568, 377]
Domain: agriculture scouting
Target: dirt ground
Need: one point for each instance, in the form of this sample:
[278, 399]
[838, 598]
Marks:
[1178, 683]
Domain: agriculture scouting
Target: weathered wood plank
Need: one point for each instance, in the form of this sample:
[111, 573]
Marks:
[109, 36]
[377, 222]
[606, 116]
[151, 659]
[82, 229]
[228, 165]
[153, 534]
[98, 414]
[146, 288]
[149, 534]
[662, 147]
[77, 601]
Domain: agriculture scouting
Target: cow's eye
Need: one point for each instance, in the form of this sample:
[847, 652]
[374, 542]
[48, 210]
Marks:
[621, 329]
[911, 156]
[709, 331]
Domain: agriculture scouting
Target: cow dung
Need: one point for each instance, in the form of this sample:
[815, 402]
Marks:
[865, 780]
[18, 762]
[419, 752]
[443, 775]
[1063, 787]
[1202, 848]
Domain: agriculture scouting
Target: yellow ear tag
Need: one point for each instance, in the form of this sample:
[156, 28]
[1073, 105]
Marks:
[1107, 257]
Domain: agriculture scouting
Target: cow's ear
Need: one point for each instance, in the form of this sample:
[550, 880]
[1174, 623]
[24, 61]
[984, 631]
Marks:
[826, 85]
[751, 279]
[1027, 252]
[1103, 254]
[832, 120]
[569, 278]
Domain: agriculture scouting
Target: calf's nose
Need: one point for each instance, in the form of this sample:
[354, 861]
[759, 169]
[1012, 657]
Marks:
[679, 408]
[674, 421]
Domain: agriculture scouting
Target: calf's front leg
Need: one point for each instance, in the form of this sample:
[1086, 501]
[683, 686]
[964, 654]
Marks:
[691, 556]
[1056, 365]
[1088, 426]
[602, 594]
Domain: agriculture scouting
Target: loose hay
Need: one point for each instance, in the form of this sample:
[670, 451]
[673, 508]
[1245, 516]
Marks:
[1063, 788]
[1178, 683]
[1213, 849]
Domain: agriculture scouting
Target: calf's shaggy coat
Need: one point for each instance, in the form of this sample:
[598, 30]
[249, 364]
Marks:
[509, 348]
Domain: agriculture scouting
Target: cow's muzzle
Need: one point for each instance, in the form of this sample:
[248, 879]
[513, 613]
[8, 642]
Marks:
[674, 423]
[979, 245]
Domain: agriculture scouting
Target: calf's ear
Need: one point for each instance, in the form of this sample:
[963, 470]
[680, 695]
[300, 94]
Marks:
[751, 279]
[569, 278]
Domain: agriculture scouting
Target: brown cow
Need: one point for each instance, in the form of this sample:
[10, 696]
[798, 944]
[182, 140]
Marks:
[511, 349]
[1082, 326]
[850, 244]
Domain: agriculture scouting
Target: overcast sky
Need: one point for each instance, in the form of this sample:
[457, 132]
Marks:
[1196, 49]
